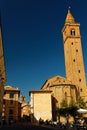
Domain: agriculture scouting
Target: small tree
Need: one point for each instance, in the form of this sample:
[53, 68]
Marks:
[66, 110]
[81, 103]
[63, 104]
[63, 110]
[73, 110]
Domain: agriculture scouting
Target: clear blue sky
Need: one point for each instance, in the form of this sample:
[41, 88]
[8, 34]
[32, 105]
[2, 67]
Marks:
[32, 39]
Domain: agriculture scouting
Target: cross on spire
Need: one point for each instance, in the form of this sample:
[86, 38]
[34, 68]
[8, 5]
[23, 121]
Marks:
[69, 9]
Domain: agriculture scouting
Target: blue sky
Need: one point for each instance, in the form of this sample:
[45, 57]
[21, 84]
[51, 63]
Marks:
[32, 39]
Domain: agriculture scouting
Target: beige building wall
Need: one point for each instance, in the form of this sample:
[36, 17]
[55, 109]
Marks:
[25, 110]
[41, 106]
[73, 55]
[2, 74]
[62, 89]
[25, 107]
[10, 105]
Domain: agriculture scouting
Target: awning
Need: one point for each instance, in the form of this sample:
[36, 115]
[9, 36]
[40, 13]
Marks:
[82, 110]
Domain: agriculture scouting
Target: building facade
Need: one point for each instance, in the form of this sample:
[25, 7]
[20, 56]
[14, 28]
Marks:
[11, 104]
[74, 64]
[62, 89]
[25, 108]
[2, 73]
[73, 86]
[40, 105]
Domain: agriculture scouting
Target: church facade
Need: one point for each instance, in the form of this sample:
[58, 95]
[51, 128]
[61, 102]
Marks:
[71, 87]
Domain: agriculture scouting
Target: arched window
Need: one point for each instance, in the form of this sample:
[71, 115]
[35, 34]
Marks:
[66, 96]
[73, 32]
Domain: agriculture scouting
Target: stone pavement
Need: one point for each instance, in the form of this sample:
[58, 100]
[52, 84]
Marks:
[26, 126]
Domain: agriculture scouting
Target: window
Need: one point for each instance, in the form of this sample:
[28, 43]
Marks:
[11, 95]
[4, 93]
[73, 32]
[81, 90]
[11, 101]
[79, 71]
[73, 60]
[79, 80]
[76, 50]
[66, 96]
[10, 111]
[4, 102]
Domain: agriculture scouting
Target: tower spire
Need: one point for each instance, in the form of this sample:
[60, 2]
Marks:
[69, 17]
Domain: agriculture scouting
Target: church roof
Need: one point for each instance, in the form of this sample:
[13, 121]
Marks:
[69, 17]
[56, 81]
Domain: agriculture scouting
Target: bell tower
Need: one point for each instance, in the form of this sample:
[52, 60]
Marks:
[74, 64]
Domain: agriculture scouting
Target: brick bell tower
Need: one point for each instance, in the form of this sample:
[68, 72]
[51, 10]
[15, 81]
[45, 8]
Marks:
[73, 54]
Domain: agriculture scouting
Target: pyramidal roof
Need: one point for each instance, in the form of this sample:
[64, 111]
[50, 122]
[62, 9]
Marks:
[69, 17]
